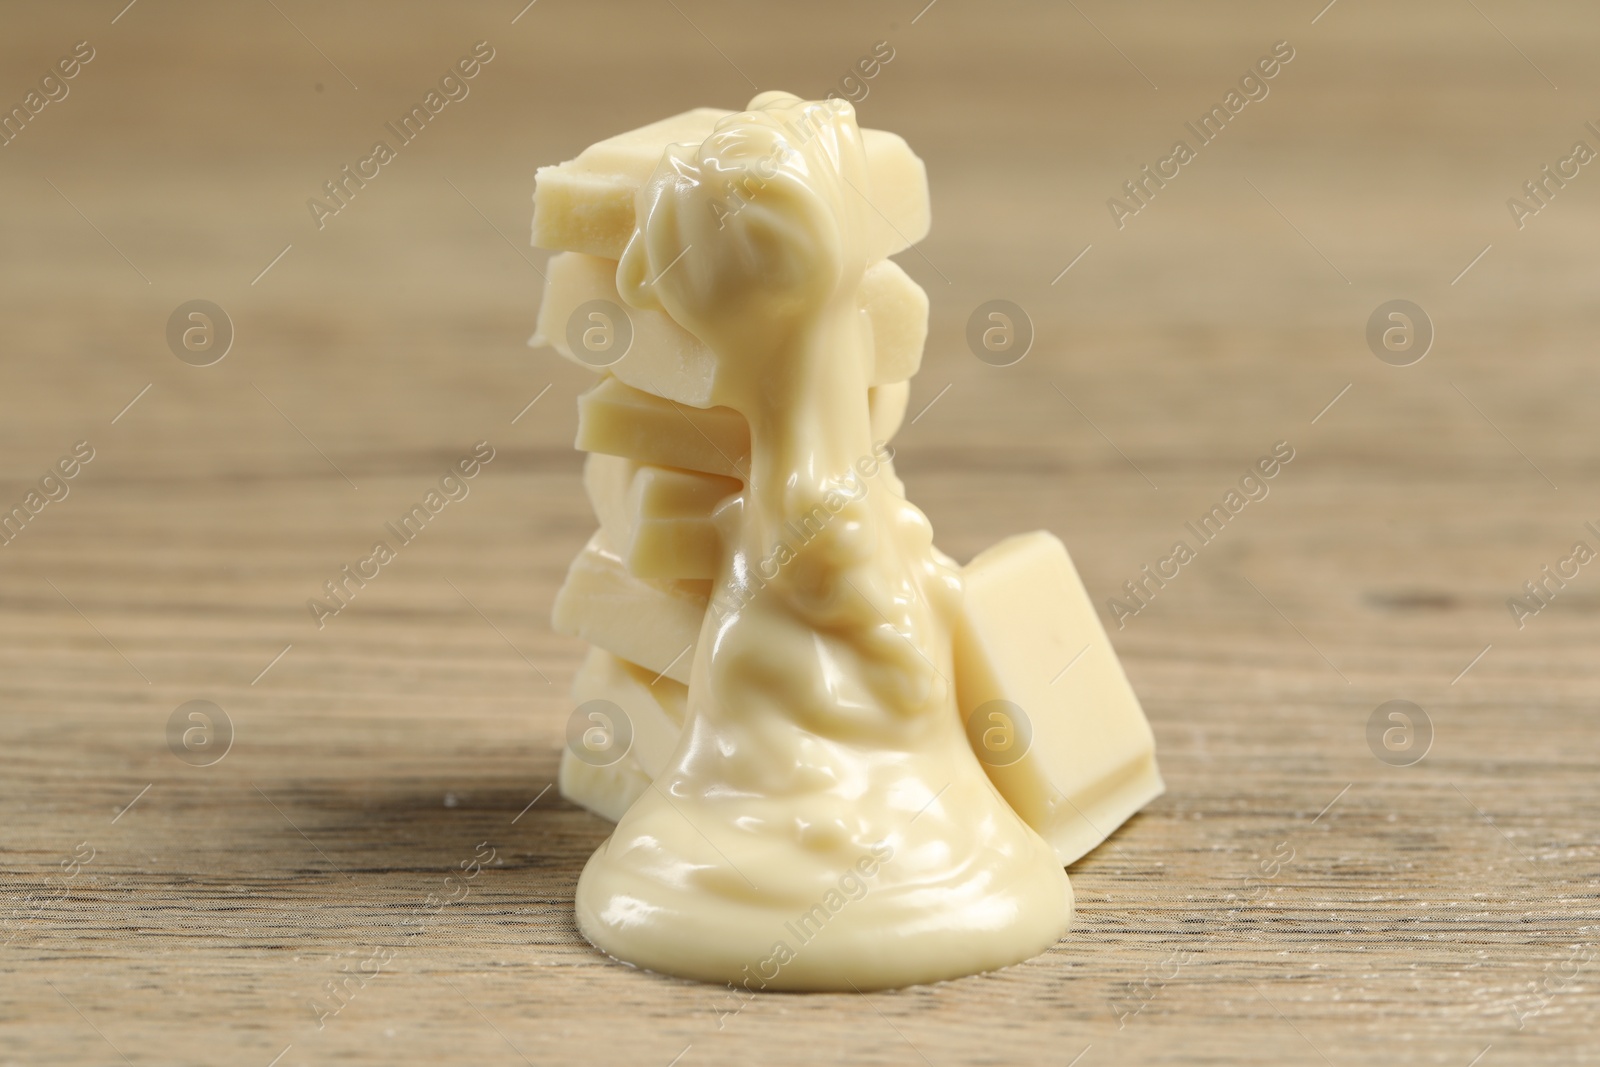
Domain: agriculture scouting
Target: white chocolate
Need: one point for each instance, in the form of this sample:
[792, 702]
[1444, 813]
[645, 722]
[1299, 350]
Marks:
[822, 822]
[606, 480]
[658, 518]
[654, 709]
[622, 421]
[894, 310]
[653, 704]
[1091, 760]
[886, 408]
[667, 361]
[1090, 763]
[587, 204]
[605, 791]
[618, 420]
[652, 623]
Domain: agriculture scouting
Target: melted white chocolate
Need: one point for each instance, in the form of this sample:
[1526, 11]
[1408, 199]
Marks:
[823, 822]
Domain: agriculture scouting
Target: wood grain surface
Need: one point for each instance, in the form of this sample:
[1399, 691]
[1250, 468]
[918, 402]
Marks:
[1292, 899]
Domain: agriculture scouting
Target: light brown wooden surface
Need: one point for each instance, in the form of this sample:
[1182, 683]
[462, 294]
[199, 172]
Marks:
[1426, 911]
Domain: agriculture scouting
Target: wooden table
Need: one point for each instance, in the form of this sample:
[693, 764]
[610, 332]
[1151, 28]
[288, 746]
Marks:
[162, 913]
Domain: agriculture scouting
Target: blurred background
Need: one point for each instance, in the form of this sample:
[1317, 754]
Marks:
[1440, 900]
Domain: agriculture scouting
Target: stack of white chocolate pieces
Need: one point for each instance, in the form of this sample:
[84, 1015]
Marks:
[1079, 757]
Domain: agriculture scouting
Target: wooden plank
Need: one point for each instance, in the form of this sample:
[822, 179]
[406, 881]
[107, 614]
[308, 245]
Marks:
[1426, 911]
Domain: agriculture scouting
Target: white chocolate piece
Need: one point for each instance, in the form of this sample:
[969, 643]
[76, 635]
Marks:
[653, 703]
[1091, 762]
[587, 204]
[605, 481]
[649, 622]
[655, 710]
[886, 409]
[606, 791]
[668, 361]
[662, 358]
[619, 420]
[895, 310]
[671, 511]
[658, 518]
